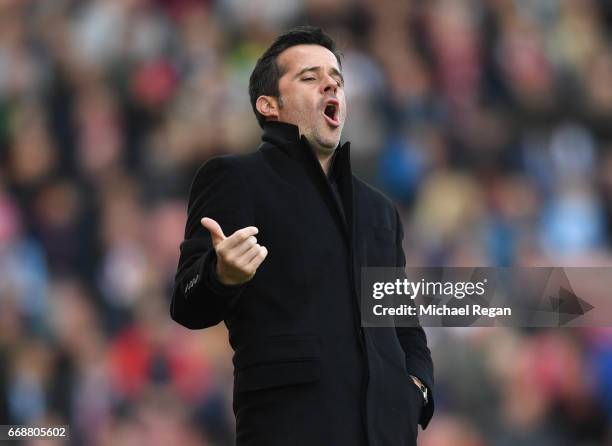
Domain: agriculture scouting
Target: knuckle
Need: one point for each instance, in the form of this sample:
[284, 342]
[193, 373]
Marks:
[245, 233]
[246, 270]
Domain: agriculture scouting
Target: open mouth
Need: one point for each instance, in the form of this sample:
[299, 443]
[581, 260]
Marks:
[330, 112]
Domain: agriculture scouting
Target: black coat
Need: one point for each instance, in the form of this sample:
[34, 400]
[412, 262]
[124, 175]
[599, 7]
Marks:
[306, 373]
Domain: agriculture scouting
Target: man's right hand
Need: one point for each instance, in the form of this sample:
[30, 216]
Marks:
[238, 256]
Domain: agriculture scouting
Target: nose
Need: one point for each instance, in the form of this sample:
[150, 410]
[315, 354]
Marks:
[329, 85]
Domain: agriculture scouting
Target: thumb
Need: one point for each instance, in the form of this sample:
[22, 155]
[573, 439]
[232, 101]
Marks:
[215, 230]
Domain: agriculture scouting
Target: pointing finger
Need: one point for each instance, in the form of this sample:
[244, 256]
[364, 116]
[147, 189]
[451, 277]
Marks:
[240, 236]
[241, 248]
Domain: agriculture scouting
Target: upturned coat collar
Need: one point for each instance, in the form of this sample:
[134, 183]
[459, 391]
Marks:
[287, 137]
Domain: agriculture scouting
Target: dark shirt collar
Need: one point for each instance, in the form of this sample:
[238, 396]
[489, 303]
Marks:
[287, 137]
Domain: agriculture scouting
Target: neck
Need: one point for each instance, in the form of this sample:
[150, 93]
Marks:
[323, 154]
[325, 159]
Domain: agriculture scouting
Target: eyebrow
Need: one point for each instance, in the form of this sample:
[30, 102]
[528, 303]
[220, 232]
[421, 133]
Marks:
[318, 68]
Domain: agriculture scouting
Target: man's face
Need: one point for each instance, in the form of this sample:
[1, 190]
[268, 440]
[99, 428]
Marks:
[312, 94]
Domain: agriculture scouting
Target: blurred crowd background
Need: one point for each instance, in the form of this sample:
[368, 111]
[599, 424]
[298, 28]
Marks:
[489, 122]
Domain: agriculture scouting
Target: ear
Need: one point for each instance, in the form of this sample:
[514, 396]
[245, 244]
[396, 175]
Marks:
[268, 107]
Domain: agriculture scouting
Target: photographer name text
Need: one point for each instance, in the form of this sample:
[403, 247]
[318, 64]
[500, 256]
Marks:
[441, 310]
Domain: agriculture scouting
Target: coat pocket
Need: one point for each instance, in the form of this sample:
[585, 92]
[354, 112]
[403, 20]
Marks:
[277, 361]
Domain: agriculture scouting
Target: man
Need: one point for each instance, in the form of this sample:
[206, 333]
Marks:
[274, 244]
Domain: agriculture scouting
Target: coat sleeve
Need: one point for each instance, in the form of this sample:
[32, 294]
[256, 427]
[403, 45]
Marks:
[414, 342]
[199, 299]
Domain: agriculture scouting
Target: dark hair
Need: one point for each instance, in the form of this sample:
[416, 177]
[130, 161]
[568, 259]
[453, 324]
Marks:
[266, 74]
